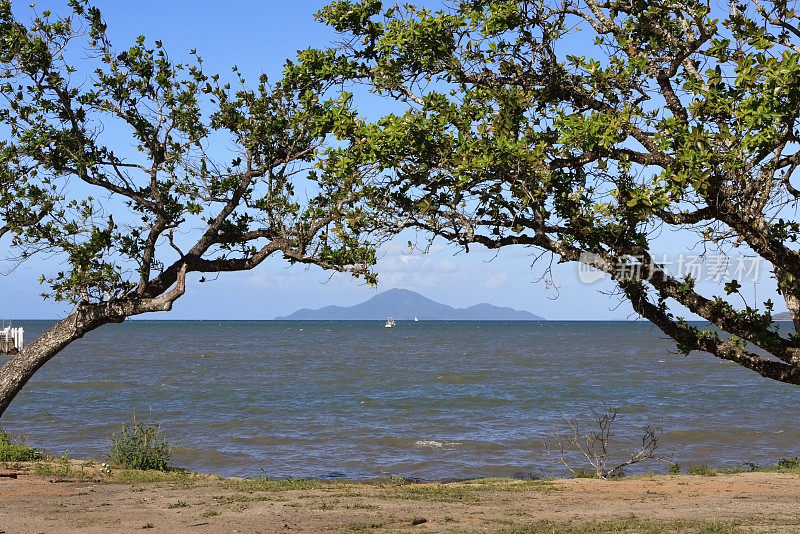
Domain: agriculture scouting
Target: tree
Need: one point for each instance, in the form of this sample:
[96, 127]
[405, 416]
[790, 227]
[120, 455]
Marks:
[584, 127]
[126, 216]
[573, 444]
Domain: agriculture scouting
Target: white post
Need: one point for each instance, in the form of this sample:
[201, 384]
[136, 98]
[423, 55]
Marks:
[18, 332]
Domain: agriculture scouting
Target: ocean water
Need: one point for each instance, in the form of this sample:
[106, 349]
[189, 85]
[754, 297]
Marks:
[429, 400]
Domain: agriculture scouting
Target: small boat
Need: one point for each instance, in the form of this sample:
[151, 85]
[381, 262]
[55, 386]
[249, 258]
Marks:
[389, 323]
[415, 319]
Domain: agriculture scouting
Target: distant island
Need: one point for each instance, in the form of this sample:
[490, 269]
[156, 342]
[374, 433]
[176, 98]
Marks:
[782, 316]
[405, 305]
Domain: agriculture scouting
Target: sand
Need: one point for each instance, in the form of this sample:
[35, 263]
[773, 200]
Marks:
[80, 497]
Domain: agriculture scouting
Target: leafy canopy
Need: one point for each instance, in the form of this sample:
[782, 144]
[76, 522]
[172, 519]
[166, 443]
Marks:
[132, 169]
[585, 127]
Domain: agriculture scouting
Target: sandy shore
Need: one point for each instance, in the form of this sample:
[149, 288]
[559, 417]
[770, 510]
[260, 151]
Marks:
[82, 498]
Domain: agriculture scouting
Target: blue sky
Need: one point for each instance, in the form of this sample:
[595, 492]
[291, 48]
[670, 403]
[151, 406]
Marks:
[258, 37]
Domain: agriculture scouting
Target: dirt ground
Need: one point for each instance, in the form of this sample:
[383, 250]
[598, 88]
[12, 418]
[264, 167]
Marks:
[82, 498]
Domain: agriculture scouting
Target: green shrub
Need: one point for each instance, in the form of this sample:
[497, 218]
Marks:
[702, 469]
[734, 469]
[744, 467]
[140, 446]
[674, 469]
[789, 464]
[580, 472]
[16, 452]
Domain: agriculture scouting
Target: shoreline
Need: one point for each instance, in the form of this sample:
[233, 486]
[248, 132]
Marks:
[74, 495]
[241, 398]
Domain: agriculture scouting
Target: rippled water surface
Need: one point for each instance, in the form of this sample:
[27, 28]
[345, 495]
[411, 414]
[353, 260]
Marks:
[430, 400]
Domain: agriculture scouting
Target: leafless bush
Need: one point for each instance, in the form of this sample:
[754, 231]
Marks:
[594, 445]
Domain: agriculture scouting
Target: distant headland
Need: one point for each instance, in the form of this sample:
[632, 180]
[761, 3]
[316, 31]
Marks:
[405, 305]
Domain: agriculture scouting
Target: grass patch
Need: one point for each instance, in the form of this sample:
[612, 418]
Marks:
[179, 504]
[361, 527]
[629, 525]
[438, 493]
[784, 465]
[12, 450]
[59, 468]
[512, 484]
[787, 465]
[209, 513]
[702, 470]
[268, 484]
[452, 492]
[137, 476]
[239, 498]
[744, 467]
[361, 506]
[579, 472]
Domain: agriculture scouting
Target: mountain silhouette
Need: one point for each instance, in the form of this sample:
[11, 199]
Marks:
[404, 305]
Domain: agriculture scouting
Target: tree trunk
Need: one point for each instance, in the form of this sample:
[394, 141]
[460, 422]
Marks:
[22, 366]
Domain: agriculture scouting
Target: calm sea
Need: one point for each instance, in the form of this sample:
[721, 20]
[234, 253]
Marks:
[431, 400]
